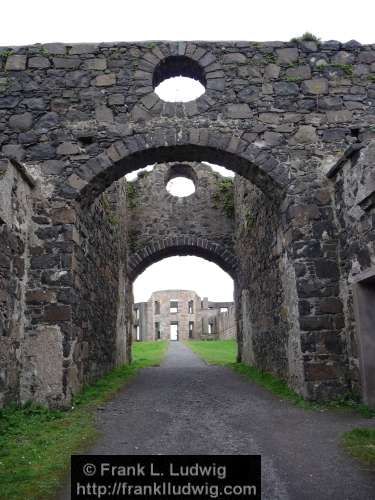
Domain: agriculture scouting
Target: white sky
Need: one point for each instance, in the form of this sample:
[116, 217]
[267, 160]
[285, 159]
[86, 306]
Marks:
[73, 21]
[187, 273]
[25, 21]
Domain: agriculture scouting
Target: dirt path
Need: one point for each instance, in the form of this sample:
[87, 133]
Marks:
[188, 407]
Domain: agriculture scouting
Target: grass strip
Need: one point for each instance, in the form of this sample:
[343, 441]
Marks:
[360, 443]
[36, 443]
[224, 352]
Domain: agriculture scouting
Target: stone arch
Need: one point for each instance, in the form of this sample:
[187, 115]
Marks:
[247, 159]
[189, 60]
[182, 245]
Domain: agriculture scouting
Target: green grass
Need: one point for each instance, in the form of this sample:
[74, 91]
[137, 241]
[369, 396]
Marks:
[36, 443]
[215, 352]
[223, 352]
[360, 443]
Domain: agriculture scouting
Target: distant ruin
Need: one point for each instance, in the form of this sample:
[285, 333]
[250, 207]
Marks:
[183, 315]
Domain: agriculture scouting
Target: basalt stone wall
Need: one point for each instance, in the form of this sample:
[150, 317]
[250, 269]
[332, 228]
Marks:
[280, 115]
[15, 220]
[101, 296]
[201, 223]
[264, 331]
[354, 191]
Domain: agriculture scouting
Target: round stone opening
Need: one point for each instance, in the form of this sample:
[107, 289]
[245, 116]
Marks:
[180, 187]
[180, 181]
[179, 79]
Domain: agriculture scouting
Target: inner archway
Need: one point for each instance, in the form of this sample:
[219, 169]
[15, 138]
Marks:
[182, 299]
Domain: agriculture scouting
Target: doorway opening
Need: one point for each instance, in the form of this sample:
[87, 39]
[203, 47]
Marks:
[364, 307]
[174, 331]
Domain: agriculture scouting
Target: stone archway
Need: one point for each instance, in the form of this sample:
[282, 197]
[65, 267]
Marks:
[182, 245]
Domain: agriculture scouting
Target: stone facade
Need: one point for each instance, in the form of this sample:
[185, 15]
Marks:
[182, 315]
[294, 121]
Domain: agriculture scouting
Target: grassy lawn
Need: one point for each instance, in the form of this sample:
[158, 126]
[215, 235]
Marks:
[223, 352]
[360, 443]
[36, 444]
[215, 352]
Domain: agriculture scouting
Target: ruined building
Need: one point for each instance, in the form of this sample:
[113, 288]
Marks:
[182, 315]
[294, 121]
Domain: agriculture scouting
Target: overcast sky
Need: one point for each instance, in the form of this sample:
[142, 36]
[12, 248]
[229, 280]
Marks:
[31, 21]
[72, 21]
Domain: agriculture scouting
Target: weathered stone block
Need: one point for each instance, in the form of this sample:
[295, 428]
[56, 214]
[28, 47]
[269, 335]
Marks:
[272, 71]
[306, 134]
[39, 62]
[68, 148]
[315, 86]
[287, 56]
[22, 121]
[238, 111]
[105, 80]
[98, 64]
[63, 216]
[339, 116]
[16, 63]
[103, 114]
[299, 72]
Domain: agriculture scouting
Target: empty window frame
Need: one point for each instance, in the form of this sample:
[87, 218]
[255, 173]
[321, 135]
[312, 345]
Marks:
[173, 306]
[211, 328]
[191, 329]
[137, 333]
[157, 331]
[191, 306]
[157, 307]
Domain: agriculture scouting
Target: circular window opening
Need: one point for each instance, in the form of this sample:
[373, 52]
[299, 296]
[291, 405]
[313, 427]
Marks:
[179, 79]
[180, 187]
[181, 181]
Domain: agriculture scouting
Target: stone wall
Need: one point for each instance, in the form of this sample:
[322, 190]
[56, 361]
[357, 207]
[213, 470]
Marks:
[15, 220]
[226, 324]
[160, 223]
[263, 319]
[102, 297]
[280, 115]
[354, 189]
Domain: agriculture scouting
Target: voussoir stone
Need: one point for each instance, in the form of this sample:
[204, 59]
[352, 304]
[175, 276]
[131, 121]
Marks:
[22, 121]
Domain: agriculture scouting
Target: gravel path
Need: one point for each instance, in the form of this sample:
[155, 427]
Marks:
[188, 407]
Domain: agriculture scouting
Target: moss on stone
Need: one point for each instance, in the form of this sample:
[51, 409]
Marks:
[224, 196]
